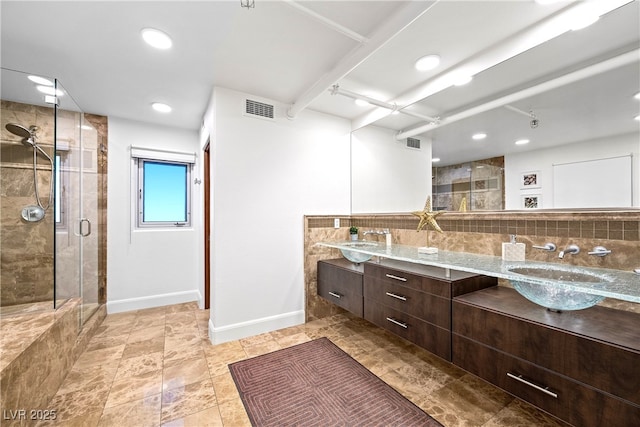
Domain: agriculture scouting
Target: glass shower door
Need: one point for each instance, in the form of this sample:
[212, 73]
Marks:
[77, 189]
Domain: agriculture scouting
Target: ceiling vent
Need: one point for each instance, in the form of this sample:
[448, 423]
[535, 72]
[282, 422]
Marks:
[258, 109]
[413, 143]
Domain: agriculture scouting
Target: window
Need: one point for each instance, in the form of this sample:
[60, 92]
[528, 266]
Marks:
[163, 193]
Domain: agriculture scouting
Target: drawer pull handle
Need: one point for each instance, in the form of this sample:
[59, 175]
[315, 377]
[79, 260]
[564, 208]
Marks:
[400, 297]
[395, 322]
[545, 390]
[391, 276]
[333, 294]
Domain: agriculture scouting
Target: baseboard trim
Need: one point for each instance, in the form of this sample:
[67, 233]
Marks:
[254, 327]
[151, 301]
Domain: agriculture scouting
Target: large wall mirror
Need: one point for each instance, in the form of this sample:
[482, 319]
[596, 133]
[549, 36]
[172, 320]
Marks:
[562, 114]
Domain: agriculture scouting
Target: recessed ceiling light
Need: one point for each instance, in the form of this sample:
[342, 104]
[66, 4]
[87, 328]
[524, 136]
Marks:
[160, 107]
[462, 80]
[479, 136]
[427, 63]
[582, 21]
[435, 159]
[48, 90]
[156, 38]
[40, 80]
[637, 95]
[637, 118]
[522, 141]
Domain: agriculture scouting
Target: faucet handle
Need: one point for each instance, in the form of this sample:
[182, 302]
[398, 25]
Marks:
[599, 251]
[547, 247]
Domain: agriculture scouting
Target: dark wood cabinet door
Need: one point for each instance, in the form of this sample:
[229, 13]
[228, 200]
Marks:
[428, 336]
[569, 400]
[341, 286]
[428, 307]
[555, 341]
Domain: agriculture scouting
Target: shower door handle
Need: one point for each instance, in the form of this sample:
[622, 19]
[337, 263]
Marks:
[85, 220]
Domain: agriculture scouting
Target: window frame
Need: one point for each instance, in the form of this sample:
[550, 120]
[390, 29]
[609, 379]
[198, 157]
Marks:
[139, 195]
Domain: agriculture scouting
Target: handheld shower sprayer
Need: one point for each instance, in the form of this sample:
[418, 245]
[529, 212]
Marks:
[29, 137]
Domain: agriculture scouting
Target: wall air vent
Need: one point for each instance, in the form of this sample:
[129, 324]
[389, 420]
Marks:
[258, 109]
[413, 143]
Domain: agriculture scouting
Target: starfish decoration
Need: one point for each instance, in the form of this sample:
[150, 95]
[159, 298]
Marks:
[463, 205]
[428, 216]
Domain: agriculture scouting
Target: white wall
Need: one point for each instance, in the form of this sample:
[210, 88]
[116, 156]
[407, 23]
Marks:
[543, 161]
[266, 175]
[386, 175]
[148, 268]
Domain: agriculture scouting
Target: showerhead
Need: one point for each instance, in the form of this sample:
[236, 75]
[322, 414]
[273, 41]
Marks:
[27, 135]
[18, 130]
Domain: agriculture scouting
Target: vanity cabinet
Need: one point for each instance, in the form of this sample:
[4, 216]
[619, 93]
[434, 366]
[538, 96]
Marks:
[340, 282]
[581, 366]
[414, 301]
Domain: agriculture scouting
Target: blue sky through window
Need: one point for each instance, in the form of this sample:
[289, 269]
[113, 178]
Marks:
[165, 192]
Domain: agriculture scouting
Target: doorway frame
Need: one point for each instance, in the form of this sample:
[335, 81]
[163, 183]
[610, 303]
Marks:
[207, 224]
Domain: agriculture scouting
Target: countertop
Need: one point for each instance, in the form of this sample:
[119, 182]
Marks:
[620, 284]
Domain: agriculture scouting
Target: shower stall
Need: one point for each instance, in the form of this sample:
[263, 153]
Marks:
[50, 193]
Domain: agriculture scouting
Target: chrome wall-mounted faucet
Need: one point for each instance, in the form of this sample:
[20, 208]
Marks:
[571, 249]
[375, 232]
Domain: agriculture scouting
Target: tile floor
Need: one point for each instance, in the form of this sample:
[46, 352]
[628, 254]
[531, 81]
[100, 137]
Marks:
[156, 367]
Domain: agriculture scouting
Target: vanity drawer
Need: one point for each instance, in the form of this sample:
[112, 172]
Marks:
[571, 401]
[432, 308]
[409, 280]
[431, 337]
[599, 364]
[340, 286]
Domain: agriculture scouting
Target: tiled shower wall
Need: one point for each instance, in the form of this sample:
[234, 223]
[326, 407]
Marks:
[27, 260]
[483, 233]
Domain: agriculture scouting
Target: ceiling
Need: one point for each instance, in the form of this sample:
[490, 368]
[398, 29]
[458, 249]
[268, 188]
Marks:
[293, 52]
